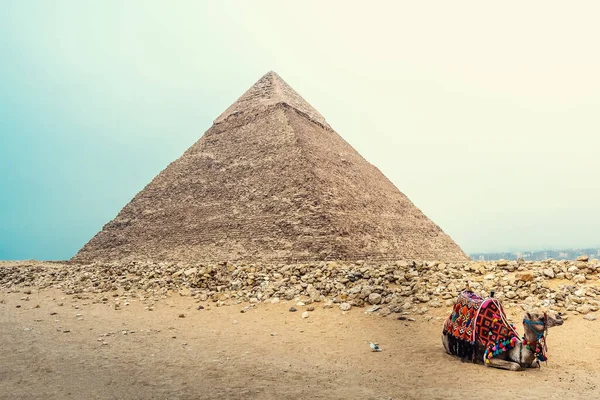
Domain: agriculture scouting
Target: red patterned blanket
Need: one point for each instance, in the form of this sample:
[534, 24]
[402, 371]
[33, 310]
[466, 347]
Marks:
[477, 320]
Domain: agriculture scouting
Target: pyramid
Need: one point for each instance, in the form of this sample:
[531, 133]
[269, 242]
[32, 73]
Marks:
[270, 181]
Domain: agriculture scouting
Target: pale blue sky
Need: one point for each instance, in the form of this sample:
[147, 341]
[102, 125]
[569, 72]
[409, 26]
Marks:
[485, 115]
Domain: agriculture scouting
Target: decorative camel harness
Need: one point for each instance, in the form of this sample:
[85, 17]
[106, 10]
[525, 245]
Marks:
[475, 320]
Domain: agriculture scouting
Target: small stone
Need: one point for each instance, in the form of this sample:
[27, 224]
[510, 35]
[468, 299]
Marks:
[590, 317]
[345, 306]
[181, 315]
[549, 273]
[275, 300]
[200, 307]
[422, 310]
[372, 309]
[374, 298]
[311, 308]
[305, 314]
[423, 298]
[293, 309]
[584, 309]
[524, 276]
[435, 304]
[300, 304]
[583, 258]
[384, 312]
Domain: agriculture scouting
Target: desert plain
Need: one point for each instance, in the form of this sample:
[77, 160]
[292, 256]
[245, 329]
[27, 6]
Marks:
[65, 335]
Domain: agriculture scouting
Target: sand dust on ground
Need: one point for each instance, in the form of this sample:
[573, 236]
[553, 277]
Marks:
[87, 350]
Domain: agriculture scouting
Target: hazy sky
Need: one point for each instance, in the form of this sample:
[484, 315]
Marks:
[485, 114]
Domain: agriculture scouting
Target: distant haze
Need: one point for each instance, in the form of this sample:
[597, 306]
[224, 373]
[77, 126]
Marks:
[485, 115]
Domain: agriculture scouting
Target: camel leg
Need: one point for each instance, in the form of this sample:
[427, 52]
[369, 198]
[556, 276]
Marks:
[535, 364]
[503, 364]
[446, 344]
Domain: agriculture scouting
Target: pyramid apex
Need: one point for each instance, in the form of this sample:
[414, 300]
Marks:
[269, 90]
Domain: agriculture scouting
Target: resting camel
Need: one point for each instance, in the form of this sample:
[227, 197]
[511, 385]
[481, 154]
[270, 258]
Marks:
[477, 330]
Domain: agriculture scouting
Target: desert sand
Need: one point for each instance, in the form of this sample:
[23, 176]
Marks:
[58, 346]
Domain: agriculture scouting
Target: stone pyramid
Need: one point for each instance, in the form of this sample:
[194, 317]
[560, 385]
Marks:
[270, 181]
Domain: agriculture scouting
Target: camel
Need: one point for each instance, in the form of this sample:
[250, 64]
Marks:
[513, 354]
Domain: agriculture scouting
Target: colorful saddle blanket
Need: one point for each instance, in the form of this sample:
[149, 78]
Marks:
[477, 320]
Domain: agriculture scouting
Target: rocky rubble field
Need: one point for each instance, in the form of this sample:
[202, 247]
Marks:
[402, 287]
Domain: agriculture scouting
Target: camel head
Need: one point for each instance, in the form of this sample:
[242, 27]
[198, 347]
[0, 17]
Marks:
[539, 322]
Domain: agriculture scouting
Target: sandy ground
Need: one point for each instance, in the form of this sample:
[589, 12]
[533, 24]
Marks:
[49, 352]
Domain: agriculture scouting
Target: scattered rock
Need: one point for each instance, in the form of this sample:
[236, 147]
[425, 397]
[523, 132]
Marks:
[305, 314]
[393, 287]
[590, 317]
[293, 309]
[524, 276]
[423, 298]
[372, 309]
[584, 309]
[548, 272]
[181, 315]
[374, 298]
